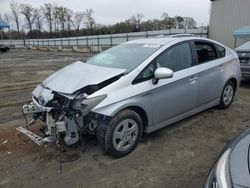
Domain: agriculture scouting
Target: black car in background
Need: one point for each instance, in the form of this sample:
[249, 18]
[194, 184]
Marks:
[4, 48]
[243, 52]
[232, 169]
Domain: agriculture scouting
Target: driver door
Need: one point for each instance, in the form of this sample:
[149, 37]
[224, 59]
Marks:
[175, 96]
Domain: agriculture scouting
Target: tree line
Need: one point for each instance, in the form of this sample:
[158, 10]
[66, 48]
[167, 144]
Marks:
[51, 20]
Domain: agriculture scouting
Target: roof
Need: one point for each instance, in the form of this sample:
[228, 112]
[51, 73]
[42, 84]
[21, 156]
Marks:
[4, 25]
[164, 40]
[243, 32]
[156, 40]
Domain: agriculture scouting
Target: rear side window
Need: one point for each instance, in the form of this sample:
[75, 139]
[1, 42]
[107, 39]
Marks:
[221, 51]
[205, 52]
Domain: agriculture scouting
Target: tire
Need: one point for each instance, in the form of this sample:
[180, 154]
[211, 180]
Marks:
[122, 134]
[227, 95]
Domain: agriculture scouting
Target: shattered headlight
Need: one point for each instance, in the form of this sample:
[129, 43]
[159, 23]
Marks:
[77, 101]
[220, 175]
[85, 105]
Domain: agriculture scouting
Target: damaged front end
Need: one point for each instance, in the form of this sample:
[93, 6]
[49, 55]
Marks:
[65, 117]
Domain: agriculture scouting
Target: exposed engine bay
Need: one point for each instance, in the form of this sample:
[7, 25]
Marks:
[67, 116]
[64, 118]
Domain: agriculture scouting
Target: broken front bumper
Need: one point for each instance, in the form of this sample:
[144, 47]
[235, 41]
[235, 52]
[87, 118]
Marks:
[28, 111]
[34, 137]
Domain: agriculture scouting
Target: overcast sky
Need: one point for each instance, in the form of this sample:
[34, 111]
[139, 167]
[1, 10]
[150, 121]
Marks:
[112, 11]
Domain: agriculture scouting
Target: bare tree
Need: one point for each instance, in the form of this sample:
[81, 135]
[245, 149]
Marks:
[38, 19]
[90, 21]
[1, 17]
[189, 23]
[164, 15]
[28, 11]
[56, 18]
[135, 21]
[77, 20]
[62, 16]
[47, 11]
[15, 15]
[139, 18]
[69, 15]
[178, 21]
[165, 19]
[6, 18]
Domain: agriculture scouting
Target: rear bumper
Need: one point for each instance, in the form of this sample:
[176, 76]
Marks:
[245, 71]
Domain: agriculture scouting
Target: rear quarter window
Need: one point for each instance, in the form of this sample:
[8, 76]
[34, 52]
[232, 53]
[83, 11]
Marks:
[221, 51]
[205, 51]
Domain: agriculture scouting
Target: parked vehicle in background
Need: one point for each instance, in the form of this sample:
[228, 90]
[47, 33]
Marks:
[4, 48]
[243, 52]
[232, 167]
[139, 86]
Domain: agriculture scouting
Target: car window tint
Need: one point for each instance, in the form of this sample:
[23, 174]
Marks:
[176, 58]
[221, 50]
[149, 72]
[205, 52]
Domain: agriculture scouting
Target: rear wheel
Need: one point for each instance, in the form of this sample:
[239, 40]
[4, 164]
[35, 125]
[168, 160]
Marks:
[227, 95]
[122, 134]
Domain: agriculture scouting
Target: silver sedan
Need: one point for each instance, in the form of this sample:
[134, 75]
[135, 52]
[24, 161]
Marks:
[139, 86]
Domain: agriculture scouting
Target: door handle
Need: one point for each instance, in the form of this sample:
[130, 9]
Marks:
[221, 68]
[192, 79]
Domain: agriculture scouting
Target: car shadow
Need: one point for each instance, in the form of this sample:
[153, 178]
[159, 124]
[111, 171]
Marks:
[245, 83]
[146, 137]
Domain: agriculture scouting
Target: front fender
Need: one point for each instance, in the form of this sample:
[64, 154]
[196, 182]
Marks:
[142, 101]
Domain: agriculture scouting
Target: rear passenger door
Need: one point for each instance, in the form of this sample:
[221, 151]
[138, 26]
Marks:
[210, 64]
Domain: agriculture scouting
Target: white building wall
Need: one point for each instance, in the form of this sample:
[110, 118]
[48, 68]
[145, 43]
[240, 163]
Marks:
[227, 16]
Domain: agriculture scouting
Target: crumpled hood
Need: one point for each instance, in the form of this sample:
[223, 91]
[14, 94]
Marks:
[78, 75]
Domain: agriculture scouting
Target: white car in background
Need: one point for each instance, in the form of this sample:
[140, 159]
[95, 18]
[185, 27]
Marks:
[243, 52]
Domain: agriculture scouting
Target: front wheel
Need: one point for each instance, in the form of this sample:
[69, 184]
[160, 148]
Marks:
[227, 95]
[123, 133]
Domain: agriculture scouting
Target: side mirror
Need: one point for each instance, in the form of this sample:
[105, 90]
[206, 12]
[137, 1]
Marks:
[162, 73]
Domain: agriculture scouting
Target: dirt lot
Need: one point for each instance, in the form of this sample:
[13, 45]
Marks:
[177, 156]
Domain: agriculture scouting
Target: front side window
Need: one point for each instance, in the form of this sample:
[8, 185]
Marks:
[124, 56]
[176, 58]
[205, 52]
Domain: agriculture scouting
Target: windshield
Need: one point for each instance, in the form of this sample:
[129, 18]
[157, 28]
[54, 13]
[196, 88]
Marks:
[124, 56]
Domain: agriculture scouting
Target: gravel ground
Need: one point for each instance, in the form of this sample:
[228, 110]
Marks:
[179, 155]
